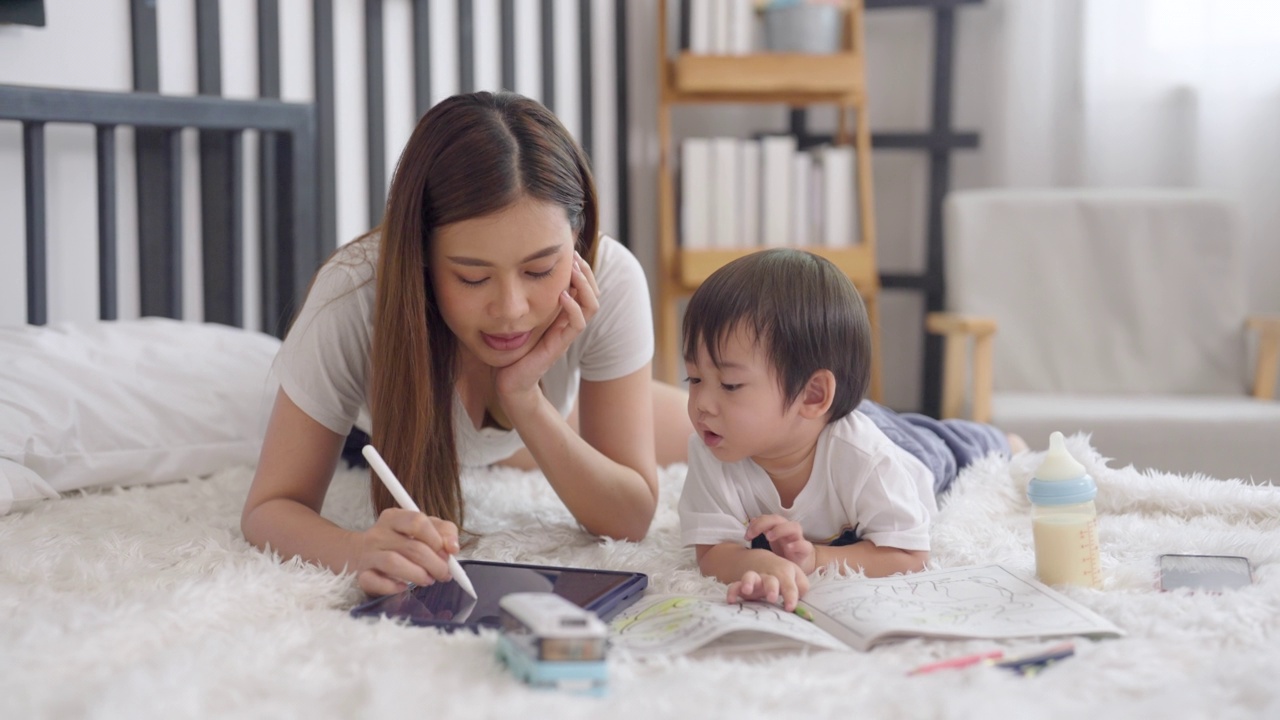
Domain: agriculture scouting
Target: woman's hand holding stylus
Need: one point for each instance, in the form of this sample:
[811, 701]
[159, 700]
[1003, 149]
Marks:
[403, 547]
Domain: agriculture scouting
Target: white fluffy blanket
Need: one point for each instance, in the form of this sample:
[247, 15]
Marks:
[148, 602]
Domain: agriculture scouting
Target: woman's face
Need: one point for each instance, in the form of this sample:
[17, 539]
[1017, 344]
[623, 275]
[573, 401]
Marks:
[498, 278]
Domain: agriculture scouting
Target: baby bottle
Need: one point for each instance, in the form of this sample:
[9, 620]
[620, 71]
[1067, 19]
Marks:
[1064, 521]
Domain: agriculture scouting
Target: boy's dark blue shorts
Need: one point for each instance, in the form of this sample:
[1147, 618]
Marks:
[945, 446]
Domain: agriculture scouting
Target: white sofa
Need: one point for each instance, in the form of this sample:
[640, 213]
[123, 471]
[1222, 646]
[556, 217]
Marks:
[1120, 313]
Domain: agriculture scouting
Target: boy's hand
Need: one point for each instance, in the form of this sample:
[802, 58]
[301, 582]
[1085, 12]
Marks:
[774, 578]
[786, 538]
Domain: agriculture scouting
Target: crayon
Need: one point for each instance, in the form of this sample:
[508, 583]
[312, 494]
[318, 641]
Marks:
[959, 662]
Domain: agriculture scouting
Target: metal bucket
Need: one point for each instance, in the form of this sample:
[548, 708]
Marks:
[803, 28]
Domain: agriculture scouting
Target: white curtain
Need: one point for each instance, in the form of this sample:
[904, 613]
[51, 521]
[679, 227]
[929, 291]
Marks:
[1182, 93]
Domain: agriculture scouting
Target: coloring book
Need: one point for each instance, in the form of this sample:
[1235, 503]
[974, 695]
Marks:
[977, 601]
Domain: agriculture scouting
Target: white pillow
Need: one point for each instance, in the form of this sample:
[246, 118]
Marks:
[20, 487]
[128, 403]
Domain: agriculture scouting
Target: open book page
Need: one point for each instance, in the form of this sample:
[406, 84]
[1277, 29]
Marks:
[683, 625]
[965, 602]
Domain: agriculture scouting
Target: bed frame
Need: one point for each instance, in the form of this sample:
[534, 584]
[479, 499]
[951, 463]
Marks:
[297, 173]
[289, 209]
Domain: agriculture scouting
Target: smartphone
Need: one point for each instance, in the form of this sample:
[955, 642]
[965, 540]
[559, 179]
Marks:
[1205, 572]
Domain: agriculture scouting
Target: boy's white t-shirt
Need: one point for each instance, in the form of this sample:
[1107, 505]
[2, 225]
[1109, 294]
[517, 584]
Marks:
[861, 480]
[323, 364]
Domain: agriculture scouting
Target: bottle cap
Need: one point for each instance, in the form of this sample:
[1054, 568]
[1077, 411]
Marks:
[1060, 479]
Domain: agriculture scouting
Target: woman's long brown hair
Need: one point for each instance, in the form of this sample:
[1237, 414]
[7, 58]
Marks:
[469, 156]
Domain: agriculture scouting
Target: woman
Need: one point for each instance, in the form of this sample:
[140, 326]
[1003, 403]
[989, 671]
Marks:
[484, 321]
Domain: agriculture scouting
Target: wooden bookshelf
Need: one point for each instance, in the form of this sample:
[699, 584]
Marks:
[795, 80]
[697, 265]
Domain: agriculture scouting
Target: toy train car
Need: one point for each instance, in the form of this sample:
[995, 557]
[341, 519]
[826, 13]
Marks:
[548, 642]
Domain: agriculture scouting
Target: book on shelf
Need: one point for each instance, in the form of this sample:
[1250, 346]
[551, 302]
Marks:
[742, 24]
[839, 211]
[801, 200]
[719, 27]
[726, 183]
[701, 31]
[695, 193]
[776, 153]
[749, 192]
[971, 602]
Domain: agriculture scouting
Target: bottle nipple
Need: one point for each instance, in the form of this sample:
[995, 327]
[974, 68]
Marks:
[1058, 463]
[1060, 479]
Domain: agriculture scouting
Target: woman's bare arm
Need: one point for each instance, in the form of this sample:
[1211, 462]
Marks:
[282, 511]
[299, 456]
[607, 476]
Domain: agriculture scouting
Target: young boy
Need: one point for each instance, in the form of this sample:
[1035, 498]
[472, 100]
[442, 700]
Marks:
[787, 471]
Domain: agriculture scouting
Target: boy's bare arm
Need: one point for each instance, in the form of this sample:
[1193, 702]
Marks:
[728, 562]
[753, 574]
[874, 560]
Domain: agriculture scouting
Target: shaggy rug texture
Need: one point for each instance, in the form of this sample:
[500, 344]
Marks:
[148, 602]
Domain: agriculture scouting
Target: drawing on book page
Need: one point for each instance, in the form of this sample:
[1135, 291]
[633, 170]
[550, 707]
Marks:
[981, 600]
[675, 624]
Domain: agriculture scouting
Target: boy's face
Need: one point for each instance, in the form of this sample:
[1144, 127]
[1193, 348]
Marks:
[737, 407]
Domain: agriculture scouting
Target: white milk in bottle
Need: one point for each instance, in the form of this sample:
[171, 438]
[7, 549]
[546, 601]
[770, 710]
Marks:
[1064, 520]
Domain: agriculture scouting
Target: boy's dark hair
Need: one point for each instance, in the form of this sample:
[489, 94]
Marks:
[805, 313]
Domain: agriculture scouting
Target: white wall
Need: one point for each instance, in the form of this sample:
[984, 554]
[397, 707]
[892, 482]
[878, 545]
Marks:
[86, 45]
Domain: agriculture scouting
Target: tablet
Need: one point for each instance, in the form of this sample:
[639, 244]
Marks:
[445, 605]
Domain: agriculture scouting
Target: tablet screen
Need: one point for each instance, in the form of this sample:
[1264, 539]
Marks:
[447, 605]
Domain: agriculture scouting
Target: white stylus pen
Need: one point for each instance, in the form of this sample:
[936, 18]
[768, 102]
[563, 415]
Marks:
[402, 497]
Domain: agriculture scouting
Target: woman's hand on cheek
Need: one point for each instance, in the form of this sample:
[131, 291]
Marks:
[517, 384]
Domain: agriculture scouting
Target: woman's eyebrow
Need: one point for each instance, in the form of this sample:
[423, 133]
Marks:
[477, 262]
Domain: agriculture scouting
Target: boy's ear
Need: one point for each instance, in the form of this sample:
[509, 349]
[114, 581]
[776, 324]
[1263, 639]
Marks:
[818, 394]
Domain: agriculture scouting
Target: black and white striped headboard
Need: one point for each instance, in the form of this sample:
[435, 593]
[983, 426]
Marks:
[568, 54]
[317, 179]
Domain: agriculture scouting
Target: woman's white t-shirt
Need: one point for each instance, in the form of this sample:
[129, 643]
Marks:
[860, 481]
[323, 364]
